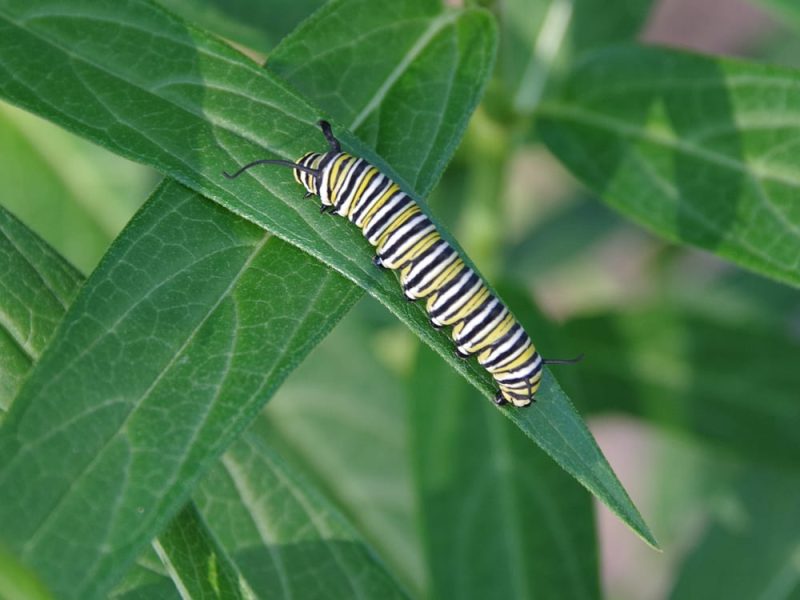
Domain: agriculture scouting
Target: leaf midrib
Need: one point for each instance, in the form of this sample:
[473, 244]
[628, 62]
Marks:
[701, 220]
[611, 124]
[436, 25]
[752, 173]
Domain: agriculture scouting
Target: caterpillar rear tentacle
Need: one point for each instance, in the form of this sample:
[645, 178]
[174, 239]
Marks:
[429, 268]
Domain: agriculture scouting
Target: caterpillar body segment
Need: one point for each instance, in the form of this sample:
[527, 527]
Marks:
[408, 242]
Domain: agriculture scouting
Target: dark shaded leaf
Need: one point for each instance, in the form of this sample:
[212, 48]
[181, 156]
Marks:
[753, 553]
[341, 420]
[699, 150]
[499, 519]
[287, 540]
[36, 288]
[198, 565]
[257, 25]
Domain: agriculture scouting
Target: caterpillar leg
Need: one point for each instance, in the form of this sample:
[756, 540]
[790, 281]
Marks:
[519, 400]
[325, 208]
[376, 260]
[460, 354]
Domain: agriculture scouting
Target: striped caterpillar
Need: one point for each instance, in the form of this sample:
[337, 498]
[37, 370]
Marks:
[408, 242]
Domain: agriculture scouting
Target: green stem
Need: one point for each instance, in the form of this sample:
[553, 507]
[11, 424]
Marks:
[481, 223]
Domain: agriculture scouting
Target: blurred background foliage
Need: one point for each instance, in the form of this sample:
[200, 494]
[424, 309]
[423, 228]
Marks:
[690, 383]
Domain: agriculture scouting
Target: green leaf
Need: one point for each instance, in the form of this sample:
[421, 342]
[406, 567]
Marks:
[338, 403]
[147, 579]
[677, 368]
[754, 552]
[596, 23]
[499, 518]
[207, 108]
[287, 540]
[213, 313]
[553, 423]
[160, 588]
[36, 287]
[699, 150]
[195, 561]
[409, 67]
[257, 25]
[198, 565]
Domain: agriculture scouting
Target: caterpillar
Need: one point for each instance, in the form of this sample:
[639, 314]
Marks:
[407, 241]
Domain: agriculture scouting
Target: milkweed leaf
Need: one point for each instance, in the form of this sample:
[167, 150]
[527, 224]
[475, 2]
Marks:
[700, 150]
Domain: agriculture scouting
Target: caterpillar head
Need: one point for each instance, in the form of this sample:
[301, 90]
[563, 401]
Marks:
[309, 176]
[307, 169]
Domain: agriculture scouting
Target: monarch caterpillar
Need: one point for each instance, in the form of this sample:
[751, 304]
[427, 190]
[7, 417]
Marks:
[407, 241]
